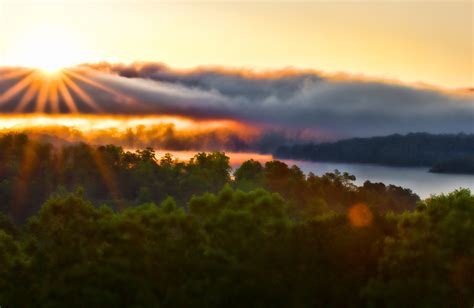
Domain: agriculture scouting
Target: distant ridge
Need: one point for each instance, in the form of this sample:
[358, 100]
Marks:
[414, 149]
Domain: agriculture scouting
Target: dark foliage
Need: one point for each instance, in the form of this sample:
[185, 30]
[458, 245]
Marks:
[30, 171]
[269, 237]
[418, 149]
[464, 165]
[238, 249]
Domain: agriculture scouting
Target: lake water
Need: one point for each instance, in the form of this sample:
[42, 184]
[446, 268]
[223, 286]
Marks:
[419, 180]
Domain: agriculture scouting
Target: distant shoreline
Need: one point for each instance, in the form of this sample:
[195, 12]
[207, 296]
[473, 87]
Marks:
[450, 154]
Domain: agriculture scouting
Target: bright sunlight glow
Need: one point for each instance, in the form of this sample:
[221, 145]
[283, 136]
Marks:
[48, 49]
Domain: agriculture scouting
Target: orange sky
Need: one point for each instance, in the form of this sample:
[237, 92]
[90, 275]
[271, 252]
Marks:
[430, 42]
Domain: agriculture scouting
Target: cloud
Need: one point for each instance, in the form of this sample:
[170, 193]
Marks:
[164, 136]
[306, 103]
[293, 99]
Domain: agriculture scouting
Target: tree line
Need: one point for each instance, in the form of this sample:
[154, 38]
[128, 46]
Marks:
[32, 171]
[453, 152]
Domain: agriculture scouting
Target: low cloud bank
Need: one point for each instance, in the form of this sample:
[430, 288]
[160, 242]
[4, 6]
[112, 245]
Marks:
[303, 103]
[164, 137]
[292, 99]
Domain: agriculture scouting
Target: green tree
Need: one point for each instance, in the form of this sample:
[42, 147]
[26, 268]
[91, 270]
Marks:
[249, 176]
[430, 260]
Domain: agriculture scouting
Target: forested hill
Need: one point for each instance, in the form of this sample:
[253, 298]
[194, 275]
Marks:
[416, 149]
[32, 171]
[142, 231]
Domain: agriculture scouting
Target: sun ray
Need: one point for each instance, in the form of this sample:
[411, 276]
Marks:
[82, 94]
[51, 91]
[92, 83]
[108, 176]
[29, 162]
[67, 97]
[54, 96]
[17, 88]
[120, 97]
[28, 96]
[42, 98]
[15, 74]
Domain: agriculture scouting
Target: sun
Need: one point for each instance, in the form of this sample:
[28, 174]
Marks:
[48, 49]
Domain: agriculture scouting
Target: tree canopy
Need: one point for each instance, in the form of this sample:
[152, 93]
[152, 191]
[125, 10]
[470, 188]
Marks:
[85, 226]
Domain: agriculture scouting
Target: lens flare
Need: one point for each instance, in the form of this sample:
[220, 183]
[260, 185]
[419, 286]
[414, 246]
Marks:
[360, 215]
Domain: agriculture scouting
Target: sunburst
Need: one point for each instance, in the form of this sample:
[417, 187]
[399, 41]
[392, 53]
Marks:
[48, 91]
[45, 90]
[52, 91]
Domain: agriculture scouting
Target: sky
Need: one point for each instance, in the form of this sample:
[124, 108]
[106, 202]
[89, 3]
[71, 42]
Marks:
[423, 41]
[235, 75]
